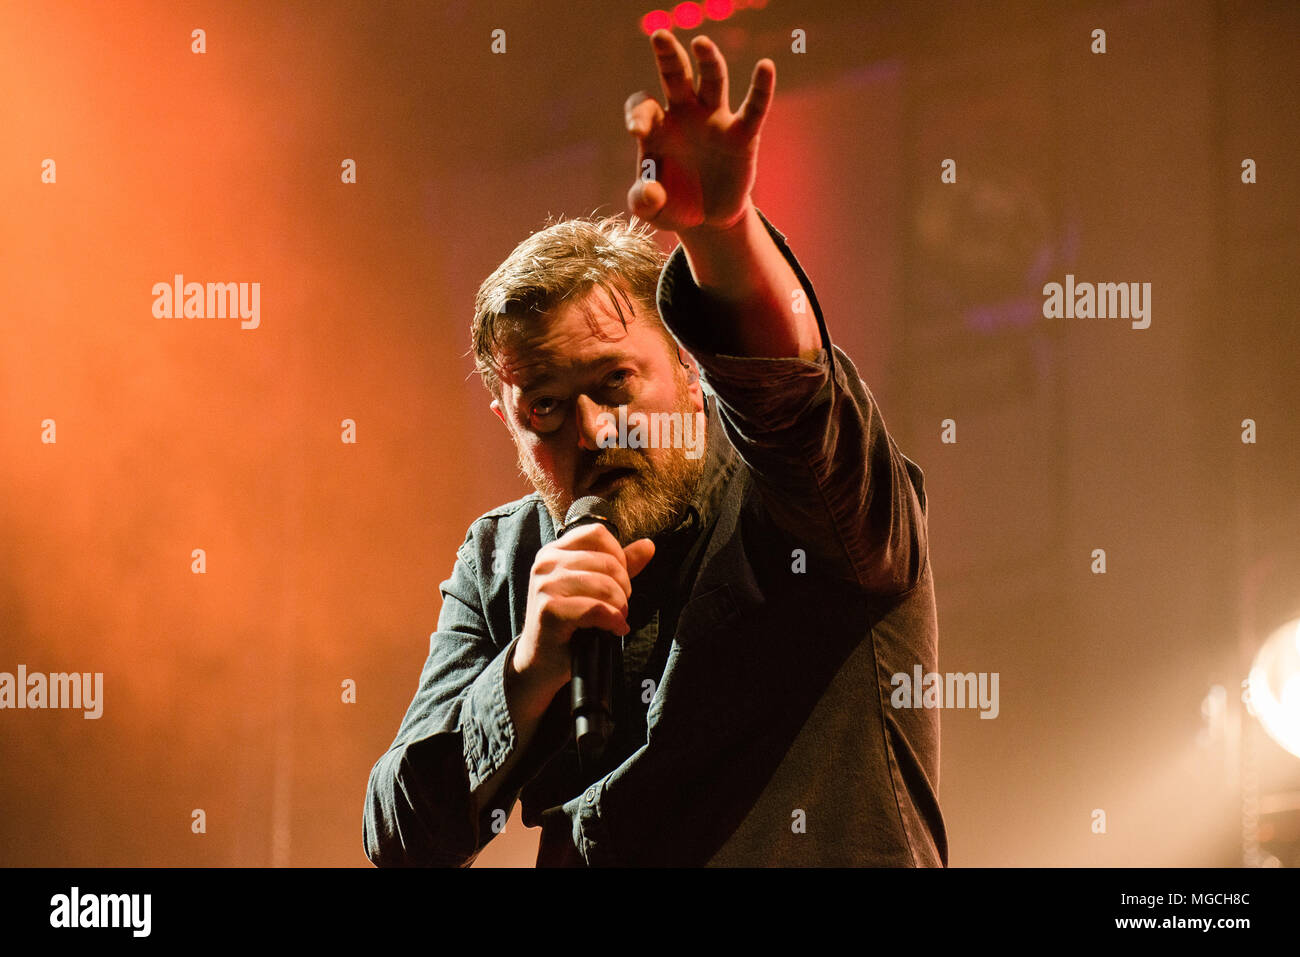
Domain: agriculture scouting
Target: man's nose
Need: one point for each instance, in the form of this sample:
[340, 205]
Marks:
[590, 425]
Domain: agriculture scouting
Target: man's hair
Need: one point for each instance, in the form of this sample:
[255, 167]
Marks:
[563, 261]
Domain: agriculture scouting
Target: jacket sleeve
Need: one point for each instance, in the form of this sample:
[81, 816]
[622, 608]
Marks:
[829, 472]
[420, 806]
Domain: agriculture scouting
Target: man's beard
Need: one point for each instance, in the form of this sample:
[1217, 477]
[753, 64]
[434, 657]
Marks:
[650, 501]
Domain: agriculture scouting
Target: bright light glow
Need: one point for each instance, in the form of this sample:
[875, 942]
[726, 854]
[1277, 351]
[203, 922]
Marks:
[718, 9]
[1275, 686]
[688, 15]
[656, 20]
[1291, 695]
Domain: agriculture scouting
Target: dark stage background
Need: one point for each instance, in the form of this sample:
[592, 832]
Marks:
[223, 690]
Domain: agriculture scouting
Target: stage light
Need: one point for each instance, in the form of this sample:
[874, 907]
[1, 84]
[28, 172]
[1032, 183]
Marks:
[718, 9]
[688, 15]
[656, 20]
[1274, 686]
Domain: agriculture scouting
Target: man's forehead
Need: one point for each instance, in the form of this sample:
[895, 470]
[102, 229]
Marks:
[532, 368]
[574, 335]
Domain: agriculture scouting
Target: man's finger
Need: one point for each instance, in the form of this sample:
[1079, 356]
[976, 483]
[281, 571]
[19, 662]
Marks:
[642, 114]
[590, 536]
[753, 111]
[713, 74]
[674, 68]
[646, 198]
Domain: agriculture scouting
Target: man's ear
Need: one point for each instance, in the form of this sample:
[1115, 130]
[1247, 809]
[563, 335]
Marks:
[500, 412]
[692, 377]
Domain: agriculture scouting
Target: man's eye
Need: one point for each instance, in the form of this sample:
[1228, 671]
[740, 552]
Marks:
[545, 415]
[616, 380]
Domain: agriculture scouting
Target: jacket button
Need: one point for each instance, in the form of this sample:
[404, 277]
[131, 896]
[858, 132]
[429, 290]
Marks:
[591, 795]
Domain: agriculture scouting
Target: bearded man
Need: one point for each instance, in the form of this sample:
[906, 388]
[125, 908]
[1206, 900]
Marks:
[762, 594]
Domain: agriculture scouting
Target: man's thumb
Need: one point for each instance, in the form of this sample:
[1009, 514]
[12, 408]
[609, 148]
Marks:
[646, 198]
[638, 555]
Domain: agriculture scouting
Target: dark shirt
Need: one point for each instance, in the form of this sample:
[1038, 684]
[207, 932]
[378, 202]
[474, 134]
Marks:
[754, 723]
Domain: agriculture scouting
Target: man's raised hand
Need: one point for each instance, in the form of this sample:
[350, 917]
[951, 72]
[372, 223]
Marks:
[704, 156]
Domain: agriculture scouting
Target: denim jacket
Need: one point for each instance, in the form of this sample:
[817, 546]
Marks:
[754, 722]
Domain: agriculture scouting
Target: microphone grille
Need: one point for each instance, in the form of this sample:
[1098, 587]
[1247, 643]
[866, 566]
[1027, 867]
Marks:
[589, 508]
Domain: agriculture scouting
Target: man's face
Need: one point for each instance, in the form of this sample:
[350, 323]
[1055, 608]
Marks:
[558, 375]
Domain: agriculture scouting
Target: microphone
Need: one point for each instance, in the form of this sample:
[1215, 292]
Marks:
[592, 655]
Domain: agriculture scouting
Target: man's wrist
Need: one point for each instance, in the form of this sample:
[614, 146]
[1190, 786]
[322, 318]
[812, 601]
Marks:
[530, 691]
[725, 261]
[726, 232]
[749, 286]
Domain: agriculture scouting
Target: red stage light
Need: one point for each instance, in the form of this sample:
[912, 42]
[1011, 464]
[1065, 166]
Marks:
[656, 20]
[718, 9]
[687, 15]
